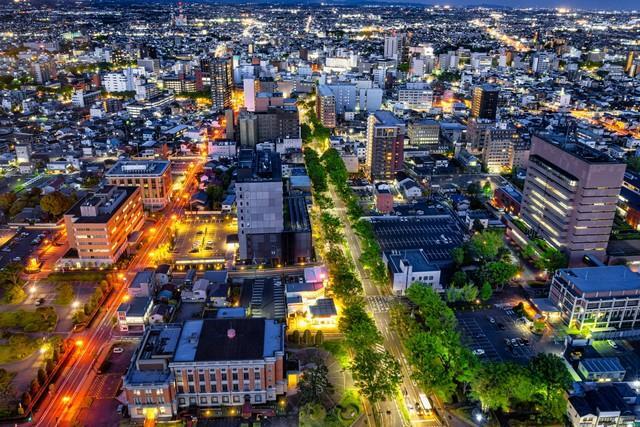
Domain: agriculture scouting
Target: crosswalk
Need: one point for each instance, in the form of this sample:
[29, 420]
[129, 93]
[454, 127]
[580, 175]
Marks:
[105, 386]
[380, 303]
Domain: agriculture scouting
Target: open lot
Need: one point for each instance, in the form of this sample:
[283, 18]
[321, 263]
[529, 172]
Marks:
[480, 333]
[202, 240]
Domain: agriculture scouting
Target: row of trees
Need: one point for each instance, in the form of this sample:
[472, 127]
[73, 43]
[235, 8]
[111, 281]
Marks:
[370, 256]
[103, 288]
[375, 371]
[444, 366]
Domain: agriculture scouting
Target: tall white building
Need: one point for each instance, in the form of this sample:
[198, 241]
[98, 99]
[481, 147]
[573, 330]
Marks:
[393, 46]
[249, 89]
[119, 82]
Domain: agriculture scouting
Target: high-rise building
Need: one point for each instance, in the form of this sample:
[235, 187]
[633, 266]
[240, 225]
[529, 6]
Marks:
[498, 150]
[485, 102]
[249, 89]
[570, 195]
[98, 226]
[248, 128]
[326, 106]
[393, 46]
[221, 83]
[385, 145]
[259, 192]
[152, 176]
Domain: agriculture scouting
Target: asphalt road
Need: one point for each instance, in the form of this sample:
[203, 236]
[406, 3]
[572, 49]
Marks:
[390, 411]
[62, 406]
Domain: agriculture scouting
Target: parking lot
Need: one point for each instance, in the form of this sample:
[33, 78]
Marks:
[19, 247]
[203, 239]
[486, 331]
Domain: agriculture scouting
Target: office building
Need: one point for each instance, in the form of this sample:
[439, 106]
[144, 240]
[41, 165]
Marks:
[484, 104]
[221, 83]
[278, 123]
[385, 145]
[152, 176]
[326, 106]
[604, 404]
[259, 198]
[416, 96]
[570, 195]
[393, 46]
[424, 134]
[98, 226]
[597, 297]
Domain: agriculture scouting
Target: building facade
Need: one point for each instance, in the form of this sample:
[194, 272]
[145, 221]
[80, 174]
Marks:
[570, 195]
[221, 83]
[385, 145]
[99, 225]
[152, 176]
[259, 198]
[597, 297]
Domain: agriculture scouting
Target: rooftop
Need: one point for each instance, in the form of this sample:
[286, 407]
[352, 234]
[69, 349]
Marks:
[612, 278]
[387, 118]
[139, 167]
[229, 339]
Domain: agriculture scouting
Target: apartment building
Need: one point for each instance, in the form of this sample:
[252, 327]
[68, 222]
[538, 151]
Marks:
[484, 104]
[152, 176]
[597, 297]
[570, 195]
[326, 106]
[99, 225]
[385, 145]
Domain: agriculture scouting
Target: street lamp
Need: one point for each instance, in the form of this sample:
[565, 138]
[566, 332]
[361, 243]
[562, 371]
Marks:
[32, 290]
[75, 304]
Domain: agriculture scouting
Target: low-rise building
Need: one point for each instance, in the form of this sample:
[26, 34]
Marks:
[597, 297]
[601, 369]
[411, 266]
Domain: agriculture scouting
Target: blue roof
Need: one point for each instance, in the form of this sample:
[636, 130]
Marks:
[610, 278]
[415, 257]
[602, 364]
[387, 118]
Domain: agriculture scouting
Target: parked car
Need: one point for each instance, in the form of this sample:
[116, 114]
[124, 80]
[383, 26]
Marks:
[478, 352]
[492, 320]
[514, 342]
[118, 350]
[612, 343]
